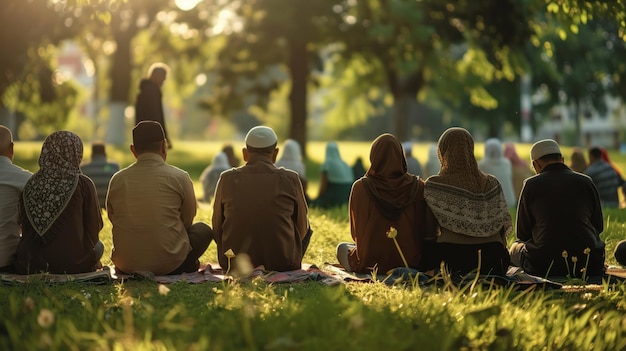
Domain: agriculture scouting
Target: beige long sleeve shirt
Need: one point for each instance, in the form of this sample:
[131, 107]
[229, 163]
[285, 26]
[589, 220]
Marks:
[151, 205]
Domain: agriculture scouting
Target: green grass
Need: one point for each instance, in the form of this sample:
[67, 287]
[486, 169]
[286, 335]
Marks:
[308, 316]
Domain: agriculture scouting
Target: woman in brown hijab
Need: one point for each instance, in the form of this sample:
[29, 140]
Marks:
[470, 209]
[387, 196]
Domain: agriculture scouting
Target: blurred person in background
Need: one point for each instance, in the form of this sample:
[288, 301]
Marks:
[521, 169]
[497, 165]
[335, 181]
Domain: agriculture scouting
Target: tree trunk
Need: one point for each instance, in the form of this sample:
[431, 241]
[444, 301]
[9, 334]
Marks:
[578, 123]
[120, 83]
[404, 100]
[7, 119]
[298, 67]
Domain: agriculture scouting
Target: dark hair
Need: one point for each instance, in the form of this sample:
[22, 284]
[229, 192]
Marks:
[551, 157]
[595, 152]
[264, 150]
[151, 147]
[98, 148]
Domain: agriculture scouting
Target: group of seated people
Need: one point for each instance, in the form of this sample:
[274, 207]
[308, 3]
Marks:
[457, 219]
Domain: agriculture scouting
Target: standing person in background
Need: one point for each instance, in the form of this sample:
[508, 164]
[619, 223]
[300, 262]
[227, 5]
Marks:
[387, 196]
[149, 103]
[559, 217]
[291, 158]
[12, 181]
[496, 164]
[432, 164]
[413, 165]
[335, 181]
[60, 215]
[577, 162]
[470, 209]
[605, 178]
[521, 169]
[100, 171]
[211, 175]
[230, 154]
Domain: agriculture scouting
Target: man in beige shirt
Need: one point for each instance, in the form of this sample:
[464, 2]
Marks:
[151, 205]
[260, 210]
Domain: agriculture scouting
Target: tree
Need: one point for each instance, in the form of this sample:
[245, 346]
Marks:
[275, 33]
[26, 28]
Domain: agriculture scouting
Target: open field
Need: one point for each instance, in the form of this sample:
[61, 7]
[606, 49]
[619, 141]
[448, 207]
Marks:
[133, 315]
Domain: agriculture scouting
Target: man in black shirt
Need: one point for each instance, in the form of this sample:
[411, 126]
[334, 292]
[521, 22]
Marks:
[559, 219]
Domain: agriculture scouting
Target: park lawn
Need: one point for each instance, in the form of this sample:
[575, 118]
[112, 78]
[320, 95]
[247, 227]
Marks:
[134, 315]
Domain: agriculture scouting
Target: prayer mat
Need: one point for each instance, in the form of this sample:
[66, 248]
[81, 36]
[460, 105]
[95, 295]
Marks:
[102, 276]
[214, 273]
[515, 277]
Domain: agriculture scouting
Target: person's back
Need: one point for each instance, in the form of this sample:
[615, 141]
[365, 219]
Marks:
[387, 196]
[260, 210]
[151, 205]
[496, 164]
[100, 171]
[412, 164]
[559, 215]
[12, 181]
[335, 180]
[605, 178]
[521, 169]
[211, 175]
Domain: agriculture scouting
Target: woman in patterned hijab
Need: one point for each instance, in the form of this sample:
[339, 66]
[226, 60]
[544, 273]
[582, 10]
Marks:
[60, 214]
[470, 209]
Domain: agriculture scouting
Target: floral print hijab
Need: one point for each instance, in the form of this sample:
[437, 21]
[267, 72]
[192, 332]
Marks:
[48, 191]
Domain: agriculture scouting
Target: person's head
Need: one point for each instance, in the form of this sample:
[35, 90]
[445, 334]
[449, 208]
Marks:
[261, 140]
[6, 142]
[493, 149]
[545, 152]
[98, 149]
[291, 151]
[595, 154]
[387, 157]
[220, 161]
[332, 151]
[578, 162]
[61, 150]
[458, 163]
[455, 151]
[158, 72]
[148, 136]
[511, 154]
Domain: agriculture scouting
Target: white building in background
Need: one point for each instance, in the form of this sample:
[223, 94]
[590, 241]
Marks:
[597, 129]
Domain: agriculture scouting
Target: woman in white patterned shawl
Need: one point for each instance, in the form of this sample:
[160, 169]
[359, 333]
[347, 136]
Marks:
[470, 208]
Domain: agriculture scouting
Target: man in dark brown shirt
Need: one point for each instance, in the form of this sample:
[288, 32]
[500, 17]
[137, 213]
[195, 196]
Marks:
[260, 210]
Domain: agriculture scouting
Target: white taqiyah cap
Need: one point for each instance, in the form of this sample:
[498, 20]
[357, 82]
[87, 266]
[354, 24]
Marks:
[261, 137]
[544, 147]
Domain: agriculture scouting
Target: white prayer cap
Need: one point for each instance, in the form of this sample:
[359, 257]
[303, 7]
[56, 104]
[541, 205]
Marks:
[544, 147]
[261, 137]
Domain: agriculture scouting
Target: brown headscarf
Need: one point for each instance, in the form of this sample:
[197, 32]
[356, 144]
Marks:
[462, 198]
[458, 163]
[47, 192]
[387, 180]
